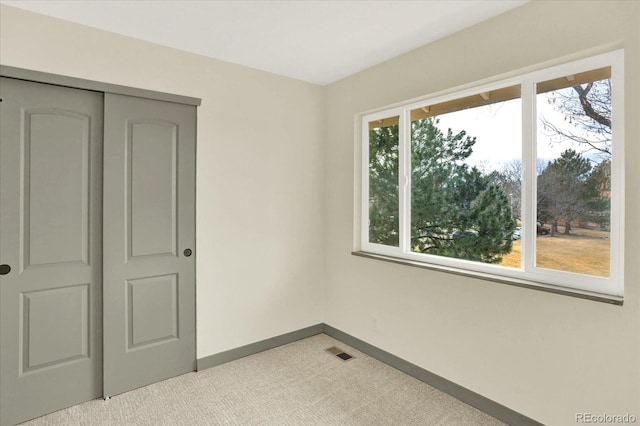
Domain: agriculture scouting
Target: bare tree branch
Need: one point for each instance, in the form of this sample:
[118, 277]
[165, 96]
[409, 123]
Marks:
[587, 108]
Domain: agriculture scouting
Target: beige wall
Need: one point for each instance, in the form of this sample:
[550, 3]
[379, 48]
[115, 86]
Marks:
[544, 355]
[259, 171]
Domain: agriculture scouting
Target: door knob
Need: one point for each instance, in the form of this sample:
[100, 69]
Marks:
[5, 269]
[187, 252]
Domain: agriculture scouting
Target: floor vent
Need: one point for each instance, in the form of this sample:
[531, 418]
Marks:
[339, 353]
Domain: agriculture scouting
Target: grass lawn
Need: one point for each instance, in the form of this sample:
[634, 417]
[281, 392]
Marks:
[586, 252]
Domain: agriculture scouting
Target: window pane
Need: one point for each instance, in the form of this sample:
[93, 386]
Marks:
[466, 178]
[574, 173]
[383, 182]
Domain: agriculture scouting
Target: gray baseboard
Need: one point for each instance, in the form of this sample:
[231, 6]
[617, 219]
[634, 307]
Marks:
[461, 393]
[254, 348]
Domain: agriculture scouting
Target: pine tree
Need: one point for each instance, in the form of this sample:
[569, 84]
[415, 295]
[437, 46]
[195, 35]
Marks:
[597, 195]
[455, 210]
[562, 190]
[383, 185]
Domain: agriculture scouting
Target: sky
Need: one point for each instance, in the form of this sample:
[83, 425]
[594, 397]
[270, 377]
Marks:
[498, 130]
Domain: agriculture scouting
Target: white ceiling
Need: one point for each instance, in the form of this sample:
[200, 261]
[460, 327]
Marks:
[314, 41]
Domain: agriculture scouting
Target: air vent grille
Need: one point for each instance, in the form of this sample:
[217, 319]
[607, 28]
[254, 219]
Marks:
[339, 353]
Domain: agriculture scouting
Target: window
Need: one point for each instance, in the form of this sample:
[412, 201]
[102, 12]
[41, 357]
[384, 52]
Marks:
[519, 180]
[383, 181]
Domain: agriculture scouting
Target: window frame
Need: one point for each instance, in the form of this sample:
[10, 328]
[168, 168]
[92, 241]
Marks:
[529, 274]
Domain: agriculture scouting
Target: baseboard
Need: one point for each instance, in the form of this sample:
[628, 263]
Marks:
[461, 393]
[254, 348]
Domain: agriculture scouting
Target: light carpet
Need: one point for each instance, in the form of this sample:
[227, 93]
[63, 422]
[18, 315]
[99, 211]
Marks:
[296, 384]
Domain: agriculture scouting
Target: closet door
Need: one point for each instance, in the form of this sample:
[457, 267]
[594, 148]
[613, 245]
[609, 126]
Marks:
[50, 248]
[149, 236]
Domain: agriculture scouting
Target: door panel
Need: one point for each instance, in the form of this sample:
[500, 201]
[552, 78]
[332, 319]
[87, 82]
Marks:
[61, 312]
[149, 220]
[152, 188]
[50, 215]
[153, 310]
[54, 225]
